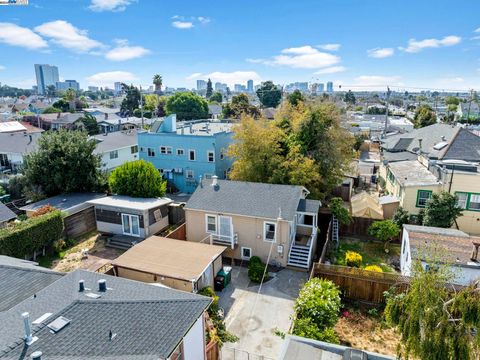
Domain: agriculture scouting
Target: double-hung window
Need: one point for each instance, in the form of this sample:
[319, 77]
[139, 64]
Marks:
[113, 154]
[134, 149]
[189, 174]
[462, 199]
[211, 224]
[474, 202]
[211, 156]
[150, 152]
[192, 155]
[269, 231]
[422, 197]
[166, 150]
[180, 152]
[131, 224]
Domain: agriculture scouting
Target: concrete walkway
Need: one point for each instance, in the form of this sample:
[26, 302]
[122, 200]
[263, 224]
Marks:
[255, 318]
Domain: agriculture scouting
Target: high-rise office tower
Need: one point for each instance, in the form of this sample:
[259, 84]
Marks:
[46, 75]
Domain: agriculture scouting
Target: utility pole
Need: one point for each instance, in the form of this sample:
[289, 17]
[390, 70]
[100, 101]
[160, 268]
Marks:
[141, 106]
[386, 113]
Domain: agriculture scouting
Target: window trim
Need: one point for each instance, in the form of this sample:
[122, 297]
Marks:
[418, 198]
[150, 152]
[130, 217]
[206, 223]
[182, 150]
[132, 148]
[208, 156]
[265, 231]
[189, 177]
[468, 201]
[190, 151]
[168, 150]
[246, 257]
[115, 152]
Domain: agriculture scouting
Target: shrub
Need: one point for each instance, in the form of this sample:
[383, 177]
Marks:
[373, 268]
[319, 301]
[43, 210]
[256, 269]
[31, 235]
[353, 258]
[306, 328]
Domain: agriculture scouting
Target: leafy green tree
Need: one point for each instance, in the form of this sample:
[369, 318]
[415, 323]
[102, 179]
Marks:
[51, 110]
[131, 100]
[216, 97]
[160, 110]
[424, 116]
[187, 106]
[64, 162]
[239, 107]
[442, 210]
[385, 231]
[295, 97]
[317, 309]
[401, 217]
[350, 98]
[452, 100]
[151, 102]
[62, 105]
[70, 97]
[340, 212]
[138, 179]
[158, 82]
[435, 323]
[209, 89]
[269, 94]
[90, 123]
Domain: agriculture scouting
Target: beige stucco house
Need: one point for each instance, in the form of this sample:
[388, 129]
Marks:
[274, 222]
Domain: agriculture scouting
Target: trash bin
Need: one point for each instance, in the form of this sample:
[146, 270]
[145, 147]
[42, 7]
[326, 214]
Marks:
[219, 283]
[226, 272]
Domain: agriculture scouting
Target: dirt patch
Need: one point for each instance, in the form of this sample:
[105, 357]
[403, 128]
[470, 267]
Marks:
[367, 333]
[98, 255]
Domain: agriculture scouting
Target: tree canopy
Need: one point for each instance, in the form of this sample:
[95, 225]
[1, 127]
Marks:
[349, 97]
[90, 123]
[157, 81]
[138, 179]
[304, 145]
[64, 162]
[269, 94]
[441, 210]
[384, 230]
[216, 97]
[240, 106]
[209, 89]
[187, 106]
[424, 116]
[131, 100]
[295, 97]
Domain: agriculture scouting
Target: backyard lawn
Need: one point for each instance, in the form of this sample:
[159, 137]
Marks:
[372, 252]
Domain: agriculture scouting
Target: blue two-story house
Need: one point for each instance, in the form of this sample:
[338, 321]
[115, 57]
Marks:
[184, 151]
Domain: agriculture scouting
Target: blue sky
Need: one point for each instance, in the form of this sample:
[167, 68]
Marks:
[362, 44]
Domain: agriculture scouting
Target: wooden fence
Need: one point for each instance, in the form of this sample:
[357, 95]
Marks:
[359, 284]
[358, 226]
[180, 233]
[80, 223]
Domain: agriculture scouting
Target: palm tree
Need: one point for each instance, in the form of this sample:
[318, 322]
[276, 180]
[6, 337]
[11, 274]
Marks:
[70, 96]
[157, 81]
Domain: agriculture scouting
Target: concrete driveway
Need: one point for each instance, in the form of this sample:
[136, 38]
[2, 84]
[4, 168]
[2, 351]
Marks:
[254, 318]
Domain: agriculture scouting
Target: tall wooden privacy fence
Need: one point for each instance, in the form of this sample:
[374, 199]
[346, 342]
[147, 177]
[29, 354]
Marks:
[358, 284]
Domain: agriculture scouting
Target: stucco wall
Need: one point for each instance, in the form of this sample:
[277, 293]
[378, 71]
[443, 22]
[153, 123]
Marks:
[250, 234]
[194, 341]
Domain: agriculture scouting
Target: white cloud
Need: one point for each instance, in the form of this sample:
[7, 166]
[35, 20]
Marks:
[380, 52]
[331, 70]
[68, 36]
[418, 45]
[229, 78]
[15, 35]
[303, 57]
[203, 20]
[109, 5]
[125, 52]
[374, 81]
[329, 47]
[475, 37]
[477, 30]
[182, 24]
[2, 67]
[110, 77]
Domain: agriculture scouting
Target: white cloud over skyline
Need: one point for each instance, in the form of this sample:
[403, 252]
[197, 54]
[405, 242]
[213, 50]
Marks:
[109, 5]
[15, 35]
[123, 51]
[380, 53]
[108, 78]
[415, 46]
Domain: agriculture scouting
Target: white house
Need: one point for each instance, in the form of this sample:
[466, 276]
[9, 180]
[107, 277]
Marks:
[449, 246]
[117, 148]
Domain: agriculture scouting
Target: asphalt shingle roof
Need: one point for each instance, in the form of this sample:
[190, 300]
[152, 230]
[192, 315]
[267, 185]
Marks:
[465, 146]
[247, 198]
[20, 279]
[310, 206]
[174, 311]
[6, 214]
[18, 143]
[115, 140]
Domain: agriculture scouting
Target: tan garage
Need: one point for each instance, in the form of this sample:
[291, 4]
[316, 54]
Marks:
[179, 264]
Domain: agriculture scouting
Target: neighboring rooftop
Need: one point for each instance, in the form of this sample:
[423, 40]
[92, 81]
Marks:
[148, 321]
[128, 202]
[20, 279]
[247, 198]
[18, 143]
[11, 126]
[70, 203]
[412, 173]
[115, 140]
[183, 260]
[6, 214]
[308, 206]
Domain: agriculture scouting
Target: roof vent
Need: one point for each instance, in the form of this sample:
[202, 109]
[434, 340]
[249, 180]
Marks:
[354, 354]
[81, 285]
[214, 180]
[102, 285]
[29, 338]
[37, 355]
[440, 145]
[58, 324]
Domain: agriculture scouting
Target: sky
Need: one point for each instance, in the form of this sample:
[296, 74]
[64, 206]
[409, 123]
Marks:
[357, 44]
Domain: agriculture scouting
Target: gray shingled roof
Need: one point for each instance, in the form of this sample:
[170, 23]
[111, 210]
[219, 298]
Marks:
[247, 198]
[20, 279]
[6, 214]
[61, 297]
[144, 330]
[115, 140]
[18, 143]
[310, 206]
[465, 146]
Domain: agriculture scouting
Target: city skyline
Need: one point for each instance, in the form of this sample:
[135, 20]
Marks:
[360, 46]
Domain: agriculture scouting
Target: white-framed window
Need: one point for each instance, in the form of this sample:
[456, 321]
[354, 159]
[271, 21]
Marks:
[180, 152]
[134, 149]
[166, 150]
[462, 199]
[474, 203]
[131, 225]
[269, 229]
[211, 156]
[150, 152]
[211, 223]
[192, 155]
[246, 253]
[113, 154]
[189, 174]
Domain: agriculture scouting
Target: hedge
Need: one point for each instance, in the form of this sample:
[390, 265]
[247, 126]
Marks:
[26, 237]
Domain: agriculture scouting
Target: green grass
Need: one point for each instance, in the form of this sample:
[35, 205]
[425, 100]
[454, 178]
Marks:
[372, 252]
[47, 260]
